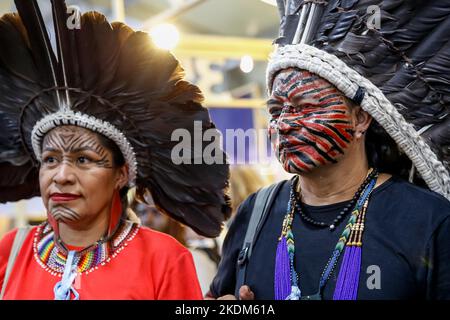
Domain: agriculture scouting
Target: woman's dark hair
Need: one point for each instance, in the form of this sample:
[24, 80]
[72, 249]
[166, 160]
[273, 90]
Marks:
[118, 161]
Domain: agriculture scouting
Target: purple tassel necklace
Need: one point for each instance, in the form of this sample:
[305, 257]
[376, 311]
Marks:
[286, 279]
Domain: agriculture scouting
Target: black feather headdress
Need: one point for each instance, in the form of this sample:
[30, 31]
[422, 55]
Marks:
[392, 57]
[112, 80]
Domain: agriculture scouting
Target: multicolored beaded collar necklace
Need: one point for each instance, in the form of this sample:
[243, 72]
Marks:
[52, 256]
[286, 279]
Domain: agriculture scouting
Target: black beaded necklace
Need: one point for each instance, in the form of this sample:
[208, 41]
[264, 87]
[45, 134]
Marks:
[308, 219]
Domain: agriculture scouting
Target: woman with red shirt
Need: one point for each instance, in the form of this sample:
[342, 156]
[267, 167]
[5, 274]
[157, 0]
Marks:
[98, 117]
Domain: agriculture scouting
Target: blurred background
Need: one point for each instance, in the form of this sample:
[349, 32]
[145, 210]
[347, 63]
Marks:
[224, 47]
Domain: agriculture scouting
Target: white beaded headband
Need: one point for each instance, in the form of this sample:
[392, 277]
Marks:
[350, 82]
[68, 117]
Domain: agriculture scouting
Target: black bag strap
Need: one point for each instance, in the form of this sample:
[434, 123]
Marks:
[263, 203]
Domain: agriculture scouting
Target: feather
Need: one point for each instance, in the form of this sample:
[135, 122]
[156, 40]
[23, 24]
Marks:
[281, 8]
[65, 47]
[18, 76]
[39, 42]
[18, 182]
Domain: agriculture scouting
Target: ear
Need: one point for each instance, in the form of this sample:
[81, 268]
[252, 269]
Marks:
[362, 121]
[122, 177]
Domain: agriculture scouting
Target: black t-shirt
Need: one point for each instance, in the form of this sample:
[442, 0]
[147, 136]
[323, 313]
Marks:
[405, 252]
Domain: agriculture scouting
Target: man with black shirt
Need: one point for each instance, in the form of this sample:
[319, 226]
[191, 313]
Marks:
[348, 226]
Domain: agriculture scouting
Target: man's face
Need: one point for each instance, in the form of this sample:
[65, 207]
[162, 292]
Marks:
[310, 121]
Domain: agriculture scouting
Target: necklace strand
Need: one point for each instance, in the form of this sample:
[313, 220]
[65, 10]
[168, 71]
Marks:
[308, 219]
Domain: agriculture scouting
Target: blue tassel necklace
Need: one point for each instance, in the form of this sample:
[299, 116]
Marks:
[286, 279]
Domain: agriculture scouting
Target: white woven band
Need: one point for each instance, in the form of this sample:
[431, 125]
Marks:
[374, 102]
[68, 117]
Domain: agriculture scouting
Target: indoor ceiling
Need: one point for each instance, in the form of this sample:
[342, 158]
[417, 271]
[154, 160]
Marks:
[237, 18]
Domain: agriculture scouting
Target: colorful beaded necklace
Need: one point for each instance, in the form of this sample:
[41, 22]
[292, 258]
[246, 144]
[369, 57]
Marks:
[52, 255]
[286, 279]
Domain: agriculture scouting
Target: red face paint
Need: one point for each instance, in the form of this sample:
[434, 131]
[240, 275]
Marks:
[310, 122]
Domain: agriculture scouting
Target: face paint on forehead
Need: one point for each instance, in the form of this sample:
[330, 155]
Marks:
[71, 139]
[286, 84]
[305, 85]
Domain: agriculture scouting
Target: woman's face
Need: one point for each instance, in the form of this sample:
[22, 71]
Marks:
[310, 123]
[77, 176]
